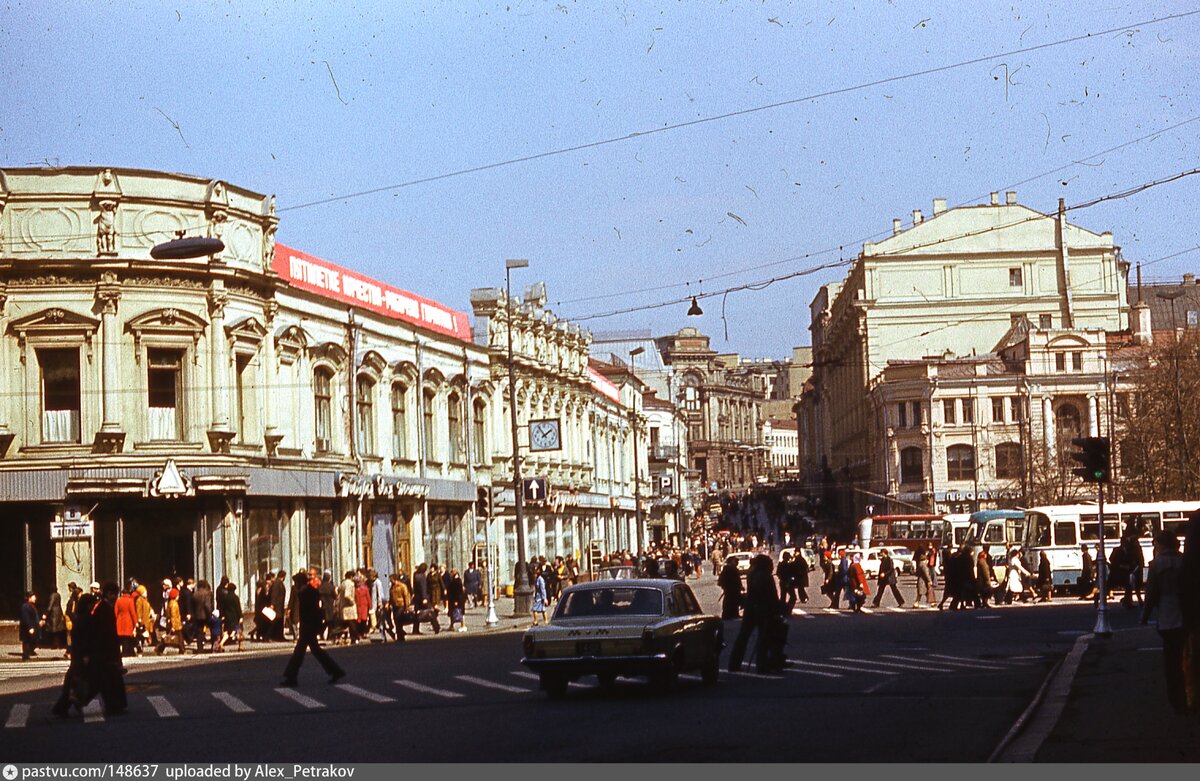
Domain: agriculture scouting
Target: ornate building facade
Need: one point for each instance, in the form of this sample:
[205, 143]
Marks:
[258, 409]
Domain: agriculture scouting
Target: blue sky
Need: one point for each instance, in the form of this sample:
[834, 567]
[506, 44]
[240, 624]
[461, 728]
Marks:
[316, 100]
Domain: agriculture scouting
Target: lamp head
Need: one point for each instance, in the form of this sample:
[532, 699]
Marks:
[512, 263]
[694, 310]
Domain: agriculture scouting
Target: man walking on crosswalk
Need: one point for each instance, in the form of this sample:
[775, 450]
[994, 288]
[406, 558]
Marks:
[312, 620]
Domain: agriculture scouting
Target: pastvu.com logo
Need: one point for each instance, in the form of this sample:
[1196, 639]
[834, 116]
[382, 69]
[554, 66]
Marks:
[10, 772]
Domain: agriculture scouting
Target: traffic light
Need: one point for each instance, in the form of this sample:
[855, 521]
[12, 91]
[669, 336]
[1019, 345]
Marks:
[483, 502]
[1093, 453]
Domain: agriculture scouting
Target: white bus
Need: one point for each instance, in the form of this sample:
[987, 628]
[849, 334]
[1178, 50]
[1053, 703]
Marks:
[997, 532]
[1061, 530]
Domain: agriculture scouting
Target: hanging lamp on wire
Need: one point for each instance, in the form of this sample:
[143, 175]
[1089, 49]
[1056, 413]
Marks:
[694, 310]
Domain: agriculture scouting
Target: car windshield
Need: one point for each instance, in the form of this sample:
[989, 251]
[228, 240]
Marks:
[611, 602]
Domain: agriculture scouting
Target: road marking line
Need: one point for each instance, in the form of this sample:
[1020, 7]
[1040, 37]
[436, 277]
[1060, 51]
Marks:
[985, 618]
[964, 665]
[233, 703]
[746, 674]
[690, 677]
[895, 610]
[876, 687]
[974, 660]
[419, 687]
[164, 709]
[92, 712]
[924, 669]
[297, 697]
[18, 716]
[818, 673]
[493, 685]
[802, 613]
[538, 678]
[366, 695]
[847, 668]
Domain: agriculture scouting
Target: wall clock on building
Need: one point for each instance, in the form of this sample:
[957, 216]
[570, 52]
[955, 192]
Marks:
[545, 435]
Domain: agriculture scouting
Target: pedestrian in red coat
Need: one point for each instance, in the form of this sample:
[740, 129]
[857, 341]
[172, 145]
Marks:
[362, 602]
[858, 583]
[127, 620]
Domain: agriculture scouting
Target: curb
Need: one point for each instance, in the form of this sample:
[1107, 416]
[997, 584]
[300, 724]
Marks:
[1039, 718]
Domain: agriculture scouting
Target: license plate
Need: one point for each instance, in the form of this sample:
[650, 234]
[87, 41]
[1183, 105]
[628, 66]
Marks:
[588, 648]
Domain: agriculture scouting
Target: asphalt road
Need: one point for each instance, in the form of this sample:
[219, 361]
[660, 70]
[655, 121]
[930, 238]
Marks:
[894, 685]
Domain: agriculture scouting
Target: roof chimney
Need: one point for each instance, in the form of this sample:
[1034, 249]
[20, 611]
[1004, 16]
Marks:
[895, 226]
[995, 199]
[1010, 198]
[1189, 279]
[939, 206]
[916, 216]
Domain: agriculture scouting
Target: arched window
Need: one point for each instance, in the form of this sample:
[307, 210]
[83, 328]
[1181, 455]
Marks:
[912, 466]
[431, 443]
[960, 462]
[479, 431]
[399, 421]
[364, 403]
[323, 408]
[1067, 419]
[1008, 460]
[691, 392]
[458, 443]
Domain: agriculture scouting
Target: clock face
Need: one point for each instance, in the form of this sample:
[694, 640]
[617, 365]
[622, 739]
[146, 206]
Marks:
[545, 435]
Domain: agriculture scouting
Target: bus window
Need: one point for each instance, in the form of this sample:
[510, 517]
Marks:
[960, 535]
[1143, 524]
[1089, 528]
[994, 533]
[1064, 533]
[1174, 522]
[1038, 533]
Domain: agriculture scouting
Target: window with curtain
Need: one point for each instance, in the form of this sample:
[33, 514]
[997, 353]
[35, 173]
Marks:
[364, 405]
[960, 462]
[60, 394]
[164, 377]
[458, 442]
[399, 421]
[479, 431]
[1008, 460]
[912, 466]
[323, 408]
[431, 444]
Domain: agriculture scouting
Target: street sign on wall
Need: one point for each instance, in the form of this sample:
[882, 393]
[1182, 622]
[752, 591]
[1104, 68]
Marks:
[71, 530]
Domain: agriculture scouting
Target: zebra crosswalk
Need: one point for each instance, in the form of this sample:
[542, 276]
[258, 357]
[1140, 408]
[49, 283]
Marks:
[833, 672]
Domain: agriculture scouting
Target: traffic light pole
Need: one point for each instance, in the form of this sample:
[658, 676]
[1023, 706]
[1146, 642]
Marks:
[1102, 629]
[1095, 455]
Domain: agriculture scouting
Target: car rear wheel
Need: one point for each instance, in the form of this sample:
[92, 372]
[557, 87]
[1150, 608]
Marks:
[555, 686]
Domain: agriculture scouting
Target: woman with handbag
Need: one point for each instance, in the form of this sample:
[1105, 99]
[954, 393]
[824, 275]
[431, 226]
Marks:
[858, 584]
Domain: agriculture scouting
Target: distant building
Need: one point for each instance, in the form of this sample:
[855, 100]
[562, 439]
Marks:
[782, 440]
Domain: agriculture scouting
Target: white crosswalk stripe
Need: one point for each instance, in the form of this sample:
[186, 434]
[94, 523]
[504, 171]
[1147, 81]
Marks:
[420, 687]
[973, 660]
[92, 712]
[297, 697]
[365, 694]
[818, 673]
[846, 667]
[943, 662]
[802, 613]
[747, 674]
[536, 677]
[504, 687]
[17, 717]
[233, 703]
[162, 707]
[876, 663]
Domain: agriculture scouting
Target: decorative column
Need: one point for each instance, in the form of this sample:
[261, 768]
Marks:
[1093, 416]
[1048, 426]
[110, 438]
[219, 435]
[271, 434]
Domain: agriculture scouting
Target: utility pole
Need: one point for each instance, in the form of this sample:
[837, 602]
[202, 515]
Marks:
[522, 591]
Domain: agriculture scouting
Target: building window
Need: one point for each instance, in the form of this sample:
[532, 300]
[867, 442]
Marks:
[1193, 318]
[399, 421]
[916, 414]
[1067, 419]
[323, 408]
[960, 462]
[1045, 322]
[458, 442]
[968, 410]
[164, 376]
[1008, 461]
[364, 403]
[60, 394]
[1014, 277]
[1077, 362]
[948, 415]
[431, 443]
[242, 368]
[479, 431]
[1018, 408]
[997, 409]
[912, 467]
[1060, 362]
[902, 415]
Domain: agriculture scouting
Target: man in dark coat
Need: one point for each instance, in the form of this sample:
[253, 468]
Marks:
[886, 579]
[423, 607]
[104, 663]
[312, 621]
[30, 627]
[763, 611]
[731, 590]
[75, 682]
[278, 604]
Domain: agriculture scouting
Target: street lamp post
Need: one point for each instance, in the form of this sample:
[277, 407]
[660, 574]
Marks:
[637, 483]
[1184, 456]
[522, 591]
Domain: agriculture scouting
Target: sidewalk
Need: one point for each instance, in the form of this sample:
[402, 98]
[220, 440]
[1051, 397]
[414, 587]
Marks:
[1117, 710]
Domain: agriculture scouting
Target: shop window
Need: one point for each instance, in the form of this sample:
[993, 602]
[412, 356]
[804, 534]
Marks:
[430, 430]
[960, 462]
[364, 404]
[458, 444]
[1008, 461]
[320, 538]
[912, 466]
[264, 546]
[479, 431]
[164, 378]
[323, 408]
[399, 421]
[60, 394]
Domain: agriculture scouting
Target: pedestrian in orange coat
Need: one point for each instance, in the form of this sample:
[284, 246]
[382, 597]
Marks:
[127, 620]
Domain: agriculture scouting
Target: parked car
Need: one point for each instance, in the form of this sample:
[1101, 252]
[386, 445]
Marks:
[626, 627]
[808, 554]
[870, 559]
[617, 572]
[904, 559]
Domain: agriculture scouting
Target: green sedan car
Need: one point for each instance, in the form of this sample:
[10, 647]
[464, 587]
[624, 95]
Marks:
[613, 628]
